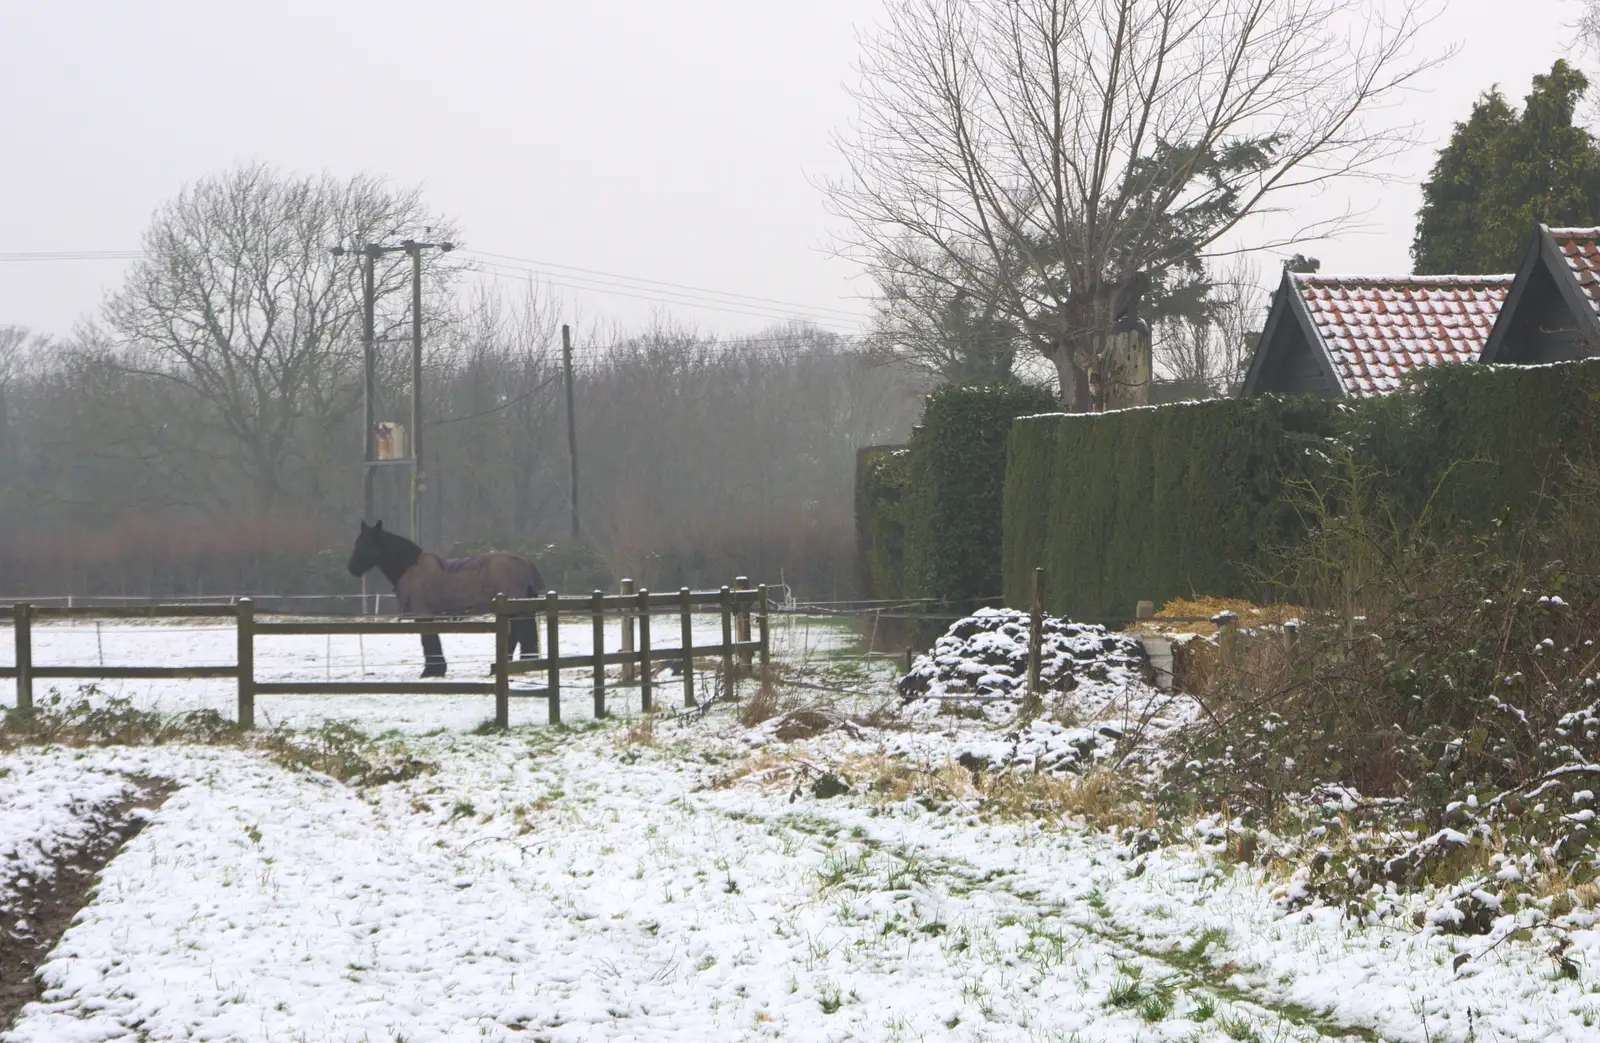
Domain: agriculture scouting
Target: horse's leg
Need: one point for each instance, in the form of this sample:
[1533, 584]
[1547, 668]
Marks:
[432, 656]
[528, 637]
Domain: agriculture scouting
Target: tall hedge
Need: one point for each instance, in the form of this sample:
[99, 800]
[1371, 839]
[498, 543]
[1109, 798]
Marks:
[929, 515]
[881, 480]
[1185, 500]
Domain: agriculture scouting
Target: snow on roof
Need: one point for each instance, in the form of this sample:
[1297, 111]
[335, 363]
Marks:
[1378, 328]
[1581, 248]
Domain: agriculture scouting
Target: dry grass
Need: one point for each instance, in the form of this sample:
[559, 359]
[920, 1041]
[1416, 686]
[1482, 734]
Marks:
[1100, 798]
[335, 749]
[642, 733]
[1250, 615]
[764, 705]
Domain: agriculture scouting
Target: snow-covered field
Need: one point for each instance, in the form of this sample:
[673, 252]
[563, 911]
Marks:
[603, 882]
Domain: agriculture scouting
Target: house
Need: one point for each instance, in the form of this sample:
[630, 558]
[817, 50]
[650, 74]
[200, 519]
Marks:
[1553, 311]
[1340, 336]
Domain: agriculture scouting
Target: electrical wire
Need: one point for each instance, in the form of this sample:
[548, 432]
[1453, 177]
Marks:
[674, 286]
[494, 409]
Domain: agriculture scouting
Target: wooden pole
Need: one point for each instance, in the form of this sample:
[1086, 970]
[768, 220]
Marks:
[1227, 624]
[729, 683]
[415, 251]
[761, 621]
[1035, 639]
[572, 425]
[684, 627]
[646, 681]
[598, 647]
[245, 617]
[742, 624]
[369, 392]
[552, 653]
[22, 624]
[629, 670]
[502, 664]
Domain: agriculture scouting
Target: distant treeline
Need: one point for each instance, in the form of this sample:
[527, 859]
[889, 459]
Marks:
[699, 459]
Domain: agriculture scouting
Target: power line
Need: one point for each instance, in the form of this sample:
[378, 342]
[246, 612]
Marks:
[663, 283]
[73, 255]
[731, 307]
[585, 279]
[495, 409]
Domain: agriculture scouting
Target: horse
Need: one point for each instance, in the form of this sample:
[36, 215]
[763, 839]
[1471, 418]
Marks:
[429, 586]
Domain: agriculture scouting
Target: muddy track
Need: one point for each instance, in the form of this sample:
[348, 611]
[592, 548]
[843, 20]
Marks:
[30, 929]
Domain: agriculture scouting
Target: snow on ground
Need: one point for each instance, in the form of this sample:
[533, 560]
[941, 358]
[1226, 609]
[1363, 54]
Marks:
[598, 883]
[42, 816]
[375, 657]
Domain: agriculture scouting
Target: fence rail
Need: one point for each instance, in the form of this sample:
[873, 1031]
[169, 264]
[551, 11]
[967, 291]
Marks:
[737, 605]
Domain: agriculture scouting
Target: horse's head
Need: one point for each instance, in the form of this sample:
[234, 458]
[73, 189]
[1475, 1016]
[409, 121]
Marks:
[368, 552]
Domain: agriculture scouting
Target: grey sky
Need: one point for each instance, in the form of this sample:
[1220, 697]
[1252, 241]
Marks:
[674, 140]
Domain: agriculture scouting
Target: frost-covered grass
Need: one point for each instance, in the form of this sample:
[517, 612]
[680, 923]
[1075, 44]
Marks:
[683, 881]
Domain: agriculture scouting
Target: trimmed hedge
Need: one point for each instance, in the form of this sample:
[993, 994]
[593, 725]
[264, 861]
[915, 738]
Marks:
[881, 479]
[1186, 500]
[929, 516]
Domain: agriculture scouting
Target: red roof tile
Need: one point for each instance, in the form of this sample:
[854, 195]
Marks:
[1379, 328]
[1581, 248]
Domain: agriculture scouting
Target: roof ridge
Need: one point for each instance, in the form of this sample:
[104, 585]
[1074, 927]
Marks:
[1425, 280]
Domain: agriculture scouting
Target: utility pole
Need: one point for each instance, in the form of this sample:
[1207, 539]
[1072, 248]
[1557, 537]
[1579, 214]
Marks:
[415, 250]
[369, 391]
[370, 252]
[572, 424]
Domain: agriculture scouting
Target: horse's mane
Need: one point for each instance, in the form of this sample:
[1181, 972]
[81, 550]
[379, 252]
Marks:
[398, 554]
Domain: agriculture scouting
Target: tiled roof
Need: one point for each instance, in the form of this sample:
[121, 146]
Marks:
[1379, 328]
[1581, 248]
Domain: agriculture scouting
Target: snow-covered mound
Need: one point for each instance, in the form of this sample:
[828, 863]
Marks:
[987, 654]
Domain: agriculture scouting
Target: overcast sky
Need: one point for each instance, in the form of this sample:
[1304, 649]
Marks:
[668, 140]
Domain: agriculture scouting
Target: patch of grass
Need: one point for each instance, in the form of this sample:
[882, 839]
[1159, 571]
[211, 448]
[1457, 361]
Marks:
[1239, 1029]
[840, 868]
[764, 705]
[1156, 1007]
[642, 733]
[90, 718]
[830, 999]
[1126, 991]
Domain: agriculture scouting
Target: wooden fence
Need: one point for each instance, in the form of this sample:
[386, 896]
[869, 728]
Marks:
[637, 652]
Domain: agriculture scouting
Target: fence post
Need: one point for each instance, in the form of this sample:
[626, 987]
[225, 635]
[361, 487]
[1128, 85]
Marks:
[761, 622]
[684, 612]
[22, 624]
[502, 664]
[646, 681]
[1227, 634]
[598, 619]
[245, 617]
[628, 669]
[729, 681]
[741, 618]
[1035, 640]
[552, 652]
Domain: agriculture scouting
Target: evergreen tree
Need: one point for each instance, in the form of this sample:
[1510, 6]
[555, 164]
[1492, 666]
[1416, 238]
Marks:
[1501, 172]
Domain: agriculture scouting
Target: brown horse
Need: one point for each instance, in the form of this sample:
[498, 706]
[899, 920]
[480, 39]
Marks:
[429, 586]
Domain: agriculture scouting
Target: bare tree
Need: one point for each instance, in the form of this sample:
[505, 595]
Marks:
[1043, 152]
[942, 327]
[1211, 350]
[239, 301]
